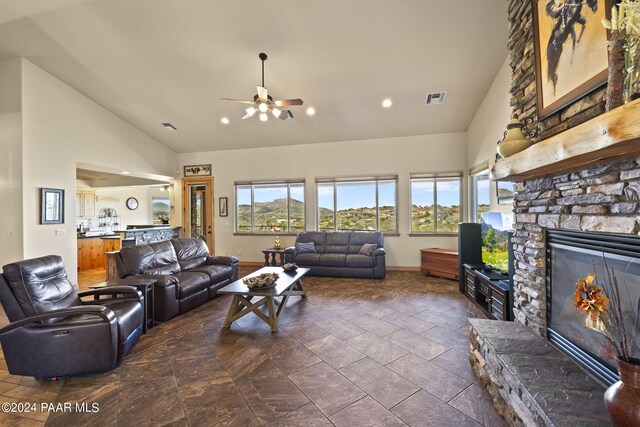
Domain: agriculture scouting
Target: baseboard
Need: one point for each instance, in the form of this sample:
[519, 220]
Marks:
[401, 268]
[250, 264]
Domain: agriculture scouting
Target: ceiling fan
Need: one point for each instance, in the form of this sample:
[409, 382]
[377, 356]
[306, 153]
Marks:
[263, 103]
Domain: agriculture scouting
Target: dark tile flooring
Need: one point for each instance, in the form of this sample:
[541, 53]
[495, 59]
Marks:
[354, 353]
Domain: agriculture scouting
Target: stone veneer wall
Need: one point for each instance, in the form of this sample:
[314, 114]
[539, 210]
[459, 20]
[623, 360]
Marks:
[603, 198]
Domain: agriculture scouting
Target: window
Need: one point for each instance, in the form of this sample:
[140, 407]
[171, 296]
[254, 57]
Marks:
[161, 208]
[436, 203]
[270, 207]
[480, 195]
[364, 204]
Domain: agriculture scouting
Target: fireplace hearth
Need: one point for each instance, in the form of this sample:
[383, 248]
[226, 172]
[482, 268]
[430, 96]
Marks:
[572, 255]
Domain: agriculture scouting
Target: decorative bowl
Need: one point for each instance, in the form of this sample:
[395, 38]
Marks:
[265, 280]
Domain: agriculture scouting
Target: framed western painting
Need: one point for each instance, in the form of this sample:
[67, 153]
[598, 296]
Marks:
[570, 50]
[51, 206]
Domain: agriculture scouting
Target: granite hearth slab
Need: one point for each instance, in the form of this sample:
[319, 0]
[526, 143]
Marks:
[532, 382]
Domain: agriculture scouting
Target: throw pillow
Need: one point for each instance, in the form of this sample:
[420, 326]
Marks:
[306, 248]
[367, 249]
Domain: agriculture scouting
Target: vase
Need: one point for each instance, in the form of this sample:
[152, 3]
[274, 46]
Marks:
[514, 140]
[622, 399]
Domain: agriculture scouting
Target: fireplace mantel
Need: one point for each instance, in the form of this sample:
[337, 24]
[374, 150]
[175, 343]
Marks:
[612, 135]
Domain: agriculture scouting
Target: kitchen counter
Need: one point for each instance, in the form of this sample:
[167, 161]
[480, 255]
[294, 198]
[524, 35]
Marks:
[151, 234]
[104, 236]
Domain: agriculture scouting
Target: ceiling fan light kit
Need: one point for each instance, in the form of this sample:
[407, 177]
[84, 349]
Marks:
[264, 103]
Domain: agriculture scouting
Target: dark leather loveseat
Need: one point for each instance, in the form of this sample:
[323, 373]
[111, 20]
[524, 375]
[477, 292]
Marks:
[185, 274]
[53, 332]
[339, 254]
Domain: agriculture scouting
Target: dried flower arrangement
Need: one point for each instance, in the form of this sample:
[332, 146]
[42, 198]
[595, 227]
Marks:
[606, 310]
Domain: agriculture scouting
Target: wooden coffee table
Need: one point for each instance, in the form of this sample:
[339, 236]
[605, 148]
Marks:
[287, 285]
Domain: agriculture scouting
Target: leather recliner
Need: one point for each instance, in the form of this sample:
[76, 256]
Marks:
[53, 332]
[186, 275]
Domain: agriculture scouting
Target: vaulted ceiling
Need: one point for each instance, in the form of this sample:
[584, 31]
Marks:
[154, 61]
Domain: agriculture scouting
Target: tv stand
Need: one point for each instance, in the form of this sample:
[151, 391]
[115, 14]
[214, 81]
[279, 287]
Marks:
[488, 288]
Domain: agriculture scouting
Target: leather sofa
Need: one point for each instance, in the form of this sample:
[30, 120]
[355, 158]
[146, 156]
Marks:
[338, 254]
[53, 332]
[186, 275]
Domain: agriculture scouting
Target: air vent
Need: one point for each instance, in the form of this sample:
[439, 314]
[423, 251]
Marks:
[435, 98]
[169, 126]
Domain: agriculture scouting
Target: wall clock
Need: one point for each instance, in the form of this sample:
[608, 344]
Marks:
[132, 203]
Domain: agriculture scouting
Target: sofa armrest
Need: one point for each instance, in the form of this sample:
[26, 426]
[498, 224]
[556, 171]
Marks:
[290, 250]
[224, 260]
[379, 251]
[289, 254]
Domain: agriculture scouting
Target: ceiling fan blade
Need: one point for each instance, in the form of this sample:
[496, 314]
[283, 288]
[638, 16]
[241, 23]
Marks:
[286, 114]
[246, 116]
[262, 93]
[237, 100]
[288, 102]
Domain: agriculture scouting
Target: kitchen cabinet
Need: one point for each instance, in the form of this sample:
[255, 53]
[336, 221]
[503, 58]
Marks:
[92, 250]
[85, 203]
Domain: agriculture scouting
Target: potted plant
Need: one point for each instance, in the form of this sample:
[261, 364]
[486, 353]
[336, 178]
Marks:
[619, 321]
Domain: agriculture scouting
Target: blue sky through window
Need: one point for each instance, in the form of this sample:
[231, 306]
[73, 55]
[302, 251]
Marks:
[448, 192]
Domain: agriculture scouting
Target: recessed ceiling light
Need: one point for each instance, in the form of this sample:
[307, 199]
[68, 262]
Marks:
[387, 103]
[169, 126]
[224, 120]
[311, 111]
[125, 172]
[365, 106]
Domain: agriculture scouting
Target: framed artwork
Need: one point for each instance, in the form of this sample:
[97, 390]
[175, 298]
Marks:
[197, 170]
[571, 51]
[51, 206]
[223, 206]
[505, 192]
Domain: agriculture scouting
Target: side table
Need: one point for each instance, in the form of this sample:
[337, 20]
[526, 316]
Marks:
[273, 252]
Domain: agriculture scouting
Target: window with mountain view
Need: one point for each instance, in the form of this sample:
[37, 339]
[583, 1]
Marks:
[357, 204]
[435, 203]
[480, 195]
[270, 208]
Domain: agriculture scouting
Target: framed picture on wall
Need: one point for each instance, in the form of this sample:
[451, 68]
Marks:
[197, 170]
[505, 192]
[571, 51]
[51, 206]
[223, 206]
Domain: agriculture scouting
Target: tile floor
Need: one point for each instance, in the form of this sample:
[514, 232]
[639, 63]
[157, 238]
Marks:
[354, 353]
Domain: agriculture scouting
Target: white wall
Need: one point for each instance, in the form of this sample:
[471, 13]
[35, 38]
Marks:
[488, 126]
[62, 127]
[402, 156]
[11, 248]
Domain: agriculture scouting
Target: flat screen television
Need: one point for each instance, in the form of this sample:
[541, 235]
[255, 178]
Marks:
[495, 227]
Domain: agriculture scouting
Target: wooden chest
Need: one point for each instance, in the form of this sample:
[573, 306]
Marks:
[440, 263]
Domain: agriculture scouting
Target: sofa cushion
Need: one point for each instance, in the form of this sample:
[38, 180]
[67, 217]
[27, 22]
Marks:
[129, 314]
[216, 273]
[317, 237]
[152, 258]
[305, 248]
[190, 252]
[367, 249]
[355, 260]
[191, 282]
[332, 260]
[337, 242]
[307, 259]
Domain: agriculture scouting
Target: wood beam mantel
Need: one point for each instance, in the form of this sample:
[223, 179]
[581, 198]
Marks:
[612, 135]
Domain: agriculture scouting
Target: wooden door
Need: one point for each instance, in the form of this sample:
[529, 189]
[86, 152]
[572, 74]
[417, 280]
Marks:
[198, 209]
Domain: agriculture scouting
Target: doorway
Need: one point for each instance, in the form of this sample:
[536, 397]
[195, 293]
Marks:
[198, 209]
